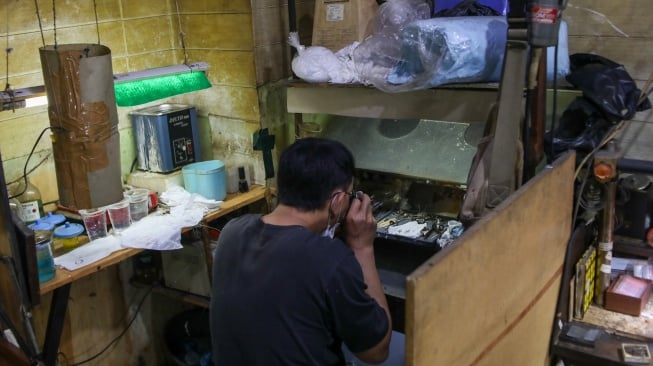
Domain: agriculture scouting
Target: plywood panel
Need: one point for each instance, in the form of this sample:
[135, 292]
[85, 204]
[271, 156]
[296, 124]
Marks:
[526, 343]
[491, 296]
[96, 314]
[610, 18]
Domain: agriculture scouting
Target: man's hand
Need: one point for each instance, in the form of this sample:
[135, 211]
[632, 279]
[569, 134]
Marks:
[360, 225]
[360, 231]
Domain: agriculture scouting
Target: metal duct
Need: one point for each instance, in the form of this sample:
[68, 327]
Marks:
[79, 84]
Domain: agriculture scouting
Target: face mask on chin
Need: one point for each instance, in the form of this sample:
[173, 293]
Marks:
[330, 231]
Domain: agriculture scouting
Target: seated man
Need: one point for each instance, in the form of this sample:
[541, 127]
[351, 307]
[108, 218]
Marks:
[286, 291]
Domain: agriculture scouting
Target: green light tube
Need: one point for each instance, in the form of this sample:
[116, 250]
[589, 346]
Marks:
[137, 92]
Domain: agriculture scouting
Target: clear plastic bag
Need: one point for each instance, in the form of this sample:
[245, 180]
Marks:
[377, 54]
[430, 52]
[395, 13]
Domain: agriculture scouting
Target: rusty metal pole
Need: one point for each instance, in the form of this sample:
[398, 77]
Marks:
[605, 170]
[604, 257]
[536, 96]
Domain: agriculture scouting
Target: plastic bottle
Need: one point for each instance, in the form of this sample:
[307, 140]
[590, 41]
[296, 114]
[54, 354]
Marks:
[14, 204]
[544, 21]
[30, 201]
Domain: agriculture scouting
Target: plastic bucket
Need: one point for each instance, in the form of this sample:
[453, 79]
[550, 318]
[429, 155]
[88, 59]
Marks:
[206, 178]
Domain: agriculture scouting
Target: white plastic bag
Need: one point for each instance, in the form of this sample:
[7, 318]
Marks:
[320, 65]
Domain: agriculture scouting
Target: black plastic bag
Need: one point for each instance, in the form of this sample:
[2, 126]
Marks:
[607, 84]
[467, 8]
[582, 128]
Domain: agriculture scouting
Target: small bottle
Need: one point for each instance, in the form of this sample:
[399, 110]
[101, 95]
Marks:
[242, 181]
[30, 202]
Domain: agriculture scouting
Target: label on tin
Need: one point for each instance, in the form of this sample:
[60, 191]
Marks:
[335, 12]
[545, 15]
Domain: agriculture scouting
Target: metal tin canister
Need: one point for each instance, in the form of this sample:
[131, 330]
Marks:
[166, 137]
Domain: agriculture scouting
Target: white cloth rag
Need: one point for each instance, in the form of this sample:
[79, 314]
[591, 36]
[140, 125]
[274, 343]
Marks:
[411, 229]
[88, 253]
[157, 231]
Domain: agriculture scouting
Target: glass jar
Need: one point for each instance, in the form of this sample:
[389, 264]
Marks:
[44, 250]
[45, 260]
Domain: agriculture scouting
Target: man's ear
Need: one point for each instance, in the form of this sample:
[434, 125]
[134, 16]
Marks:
[336, 197]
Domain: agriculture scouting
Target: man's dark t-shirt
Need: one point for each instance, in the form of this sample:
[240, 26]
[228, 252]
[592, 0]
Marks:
[283, 295]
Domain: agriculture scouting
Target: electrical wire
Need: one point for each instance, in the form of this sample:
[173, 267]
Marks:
[30, 156]
[22, 345]
[8, 50]
[131, 170]
[54, 22]
[117, 338]
[30, 352]
[181, 33]
[555, 99]
[616, 129]
[38, 16]
[15, 180]
[97, 24]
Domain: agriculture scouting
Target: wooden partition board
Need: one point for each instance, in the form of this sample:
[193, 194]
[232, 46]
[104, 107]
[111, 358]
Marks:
[490, 297]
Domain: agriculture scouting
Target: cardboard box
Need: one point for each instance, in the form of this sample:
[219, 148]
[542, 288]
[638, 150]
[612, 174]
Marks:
[628, 295]
[339, 23]
[156, 182]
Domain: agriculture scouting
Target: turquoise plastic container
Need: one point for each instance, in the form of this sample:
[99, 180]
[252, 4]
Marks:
[206, 178]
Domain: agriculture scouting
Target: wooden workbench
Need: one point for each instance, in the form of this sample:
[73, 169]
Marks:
[641, 325]
[233, 202]
[60, 285]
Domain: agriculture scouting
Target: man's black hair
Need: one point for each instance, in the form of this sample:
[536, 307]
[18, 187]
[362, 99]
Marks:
[310, 170]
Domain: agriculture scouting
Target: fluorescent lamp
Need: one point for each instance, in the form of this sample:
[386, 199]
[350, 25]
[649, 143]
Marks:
[23, 98]
[36, 101]
[131, 88]
[144, 86]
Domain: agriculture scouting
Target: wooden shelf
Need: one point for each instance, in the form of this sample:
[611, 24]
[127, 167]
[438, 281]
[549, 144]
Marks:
[232, 202]
[235, 201]
[198, 300]
[631, 246]
[471, 102]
